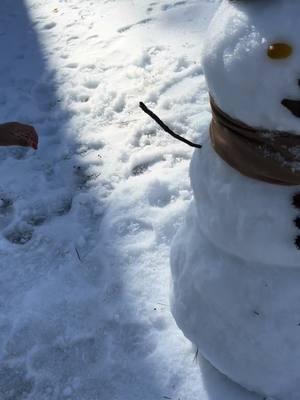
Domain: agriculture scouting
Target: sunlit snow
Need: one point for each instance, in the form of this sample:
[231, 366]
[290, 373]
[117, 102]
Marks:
[87, 220]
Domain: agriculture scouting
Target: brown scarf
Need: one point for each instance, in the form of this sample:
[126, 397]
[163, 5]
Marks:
[269, 156]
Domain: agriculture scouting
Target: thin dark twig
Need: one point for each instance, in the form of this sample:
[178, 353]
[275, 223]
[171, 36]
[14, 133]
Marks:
[78, 255]
[196, 355]
[166, 128]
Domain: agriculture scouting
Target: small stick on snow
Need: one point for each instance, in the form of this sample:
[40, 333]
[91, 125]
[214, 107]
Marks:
[166, 128]
[78, 255]
[196, 355]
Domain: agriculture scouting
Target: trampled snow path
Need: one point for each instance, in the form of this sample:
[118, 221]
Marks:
[87, 220]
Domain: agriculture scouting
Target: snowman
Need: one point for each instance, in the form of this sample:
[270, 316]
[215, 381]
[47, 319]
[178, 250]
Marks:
[235, 262]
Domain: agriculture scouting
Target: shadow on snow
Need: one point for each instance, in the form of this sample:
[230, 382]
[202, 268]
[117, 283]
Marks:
[62, 332]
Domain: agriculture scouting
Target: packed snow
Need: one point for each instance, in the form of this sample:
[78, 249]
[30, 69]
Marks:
[235, 265]
[87, 220]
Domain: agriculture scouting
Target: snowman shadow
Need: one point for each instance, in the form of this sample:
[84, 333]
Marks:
[219, 387]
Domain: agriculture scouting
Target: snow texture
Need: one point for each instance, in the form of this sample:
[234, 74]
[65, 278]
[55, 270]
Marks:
[235, 266]
[86, 221]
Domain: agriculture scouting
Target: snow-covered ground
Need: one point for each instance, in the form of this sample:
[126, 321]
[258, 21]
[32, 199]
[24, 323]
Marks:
[87, 220]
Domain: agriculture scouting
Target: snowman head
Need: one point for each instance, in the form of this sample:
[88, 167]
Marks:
[251, 60]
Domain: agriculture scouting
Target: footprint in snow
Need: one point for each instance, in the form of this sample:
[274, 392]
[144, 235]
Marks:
[80, 98]
[166, 7]
[49, 26]
[41, 211]
[72, 65]
[92, 37]
[139, 169]
[19, 234]
[128, 27]
[143, 166]
[91, 84]
[72, 38]
[36, 215]
[84, 177]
